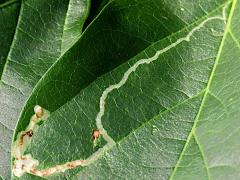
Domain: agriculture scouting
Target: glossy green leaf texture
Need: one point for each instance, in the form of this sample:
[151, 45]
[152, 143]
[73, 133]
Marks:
[9, 12]
[45, 29]
[119, 89]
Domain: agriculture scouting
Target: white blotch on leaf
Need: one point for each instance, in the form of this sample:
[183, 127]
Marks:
[25, 163]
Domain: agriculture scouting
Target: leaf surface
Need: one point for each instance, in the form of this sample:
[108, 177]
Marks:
[10, 11]
[39, 40]
[209, 149]
[174, 116]
[105, 44]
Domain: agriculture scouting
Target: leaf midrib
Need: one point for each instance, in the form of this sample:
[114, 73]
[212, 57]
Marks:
[192, 132]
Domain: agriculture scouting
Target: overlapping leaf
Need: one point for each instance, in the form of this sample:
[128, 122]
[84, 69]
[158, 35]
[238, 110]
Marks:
[8, 10]
[45, 30]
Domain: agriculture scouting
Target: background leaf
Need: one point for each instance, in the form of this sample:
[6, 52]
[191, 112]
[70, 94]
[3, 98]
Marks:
[9, 11]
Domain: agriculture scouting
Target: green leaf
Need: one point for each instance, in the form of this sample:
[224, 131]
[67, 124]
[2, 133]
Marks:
[96, 7]
[9, 11]
[104, 45]
[210, 149]
[75, 17]
[170, 112]
[45, 30]
[6, 2]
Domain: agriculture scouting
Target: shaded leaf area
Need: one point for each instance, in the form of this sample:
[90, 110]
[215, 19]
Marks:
[122, 30]
[10, 12]
[96, 7]
[5, 2]
[153, 126]
[37, 44]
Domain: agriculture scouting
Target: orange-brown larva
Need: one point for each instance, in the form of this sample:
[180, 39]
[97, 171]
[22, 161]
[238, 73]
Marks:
[96, 134]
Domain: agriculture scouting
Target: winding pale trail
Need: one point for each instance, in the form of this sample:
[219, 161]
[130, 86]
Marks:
[102, 102]
[134, 68]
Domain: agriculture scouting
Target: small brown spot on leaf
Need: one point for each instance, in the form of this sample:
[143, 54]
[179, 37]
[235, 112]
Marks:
[96, 134]
[70, 165]
[30, 133]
